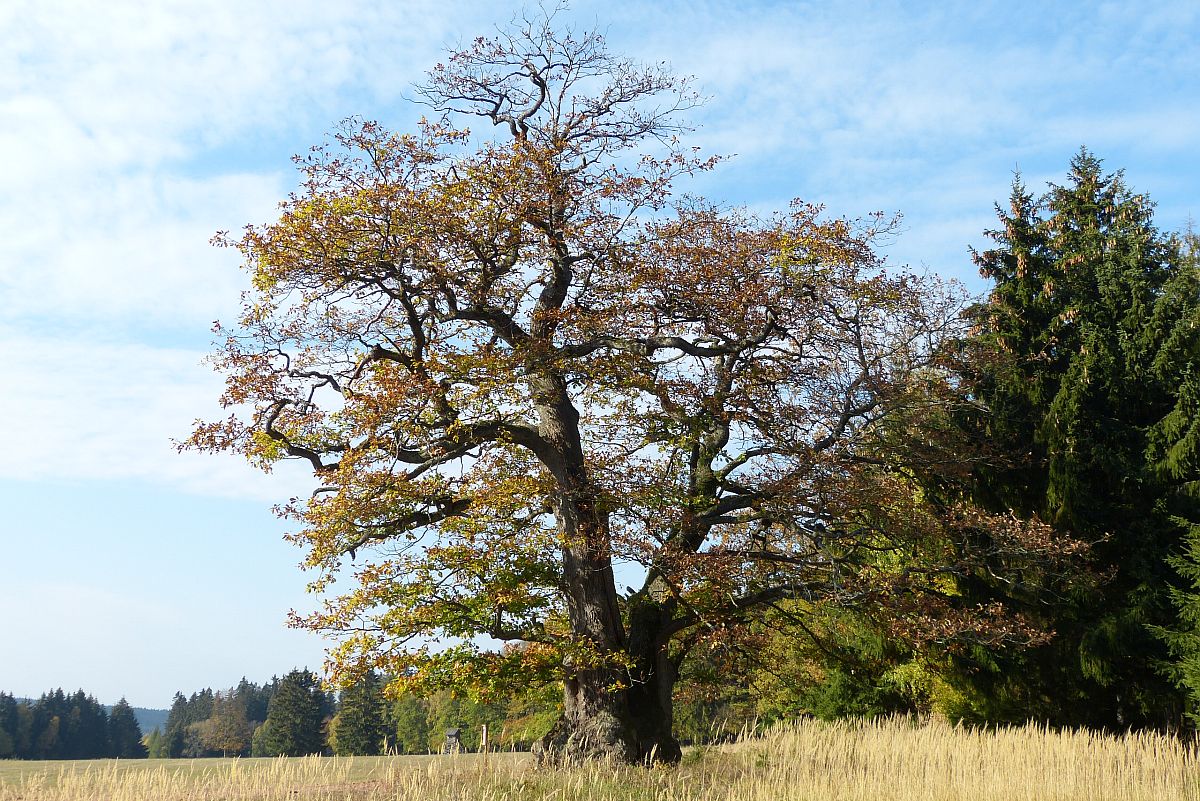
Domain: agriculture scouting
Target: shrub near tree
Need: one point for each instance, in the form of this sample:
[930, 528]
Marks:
[156, 744]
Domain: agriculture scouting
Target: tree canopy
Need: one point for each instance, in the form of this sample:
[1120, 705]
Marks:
[524, 366]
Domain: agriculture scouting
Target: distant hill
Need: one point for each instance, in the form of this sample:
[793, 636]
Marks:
[148, 719]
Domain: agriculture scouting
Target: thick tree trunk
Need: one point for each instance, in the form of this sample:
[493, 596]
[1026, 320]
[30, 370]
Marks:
[609, 713]
[652, 682]
[594, 725]
[629, 725]
[596, 721]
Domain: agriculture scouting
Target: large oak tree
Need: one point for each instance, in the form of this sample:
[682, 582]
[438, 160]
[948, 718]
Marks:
[522, 368]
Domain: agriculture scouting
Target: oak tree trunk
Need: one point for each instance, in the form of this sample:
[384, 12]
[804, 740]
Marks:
[652, 682]
[620, 715]
[609, 712]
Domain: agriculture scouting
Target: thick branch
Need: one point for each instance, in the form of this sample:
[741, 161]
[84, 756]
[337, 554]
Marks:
[499, 321]
[298, 451]
[444, 507]
[647, 346]
[738, 607]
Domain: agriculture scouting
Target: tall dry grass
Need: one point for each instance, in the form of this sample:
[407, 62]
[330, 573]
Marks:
[876, 761]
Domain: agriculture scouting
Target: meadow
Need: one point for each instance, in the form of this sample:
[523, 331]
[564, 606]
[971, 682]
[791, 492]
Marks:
[903, 760]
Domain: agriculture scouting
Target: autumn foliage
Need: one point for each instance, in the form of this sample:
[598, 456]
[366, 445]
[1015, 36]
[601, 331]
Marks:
[528, 374]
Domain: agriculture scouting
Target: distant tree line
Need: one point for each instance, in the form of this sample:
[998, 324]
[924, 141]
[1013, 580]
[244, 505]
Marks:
[295, 716]
[61, 726]
[289, 716]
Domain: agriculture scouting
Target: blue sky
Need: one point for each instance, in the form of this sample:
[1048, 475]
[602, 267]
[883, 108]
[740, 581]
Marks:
[132, 131]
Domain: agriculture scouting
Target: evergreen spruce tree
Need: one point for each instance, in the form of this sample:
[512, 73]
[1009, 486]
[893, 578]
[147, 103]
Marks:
[176, 726]
[8, 726]
[1175, 457]
[85, 733]
[295, 718]
[358, 729]
[124, 733]
[201, 704]
[255, 699]
[1080, 355]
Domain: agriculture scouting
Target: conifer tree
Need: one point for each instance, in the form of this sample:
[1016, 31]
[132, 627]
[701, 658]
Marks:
[176, 726]
[1079, 357]
[8, 726]
[255, 698]
[124, 733]
[1174, 456]
[358, 729]
[295, 718]
[84, 734]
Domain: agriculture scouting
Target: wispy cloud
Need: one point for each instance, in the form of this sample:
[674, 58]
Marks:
[88, 409]
[926, 110]
[111, 112]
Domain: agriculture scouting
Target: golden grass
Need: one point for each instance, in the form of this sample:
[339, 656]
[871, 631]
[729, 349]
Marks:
[895, 760]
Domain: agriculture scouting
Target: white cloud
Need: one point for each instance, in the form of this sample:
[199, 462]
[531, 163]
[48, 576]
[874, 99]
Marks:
[129, 249]
[213, 68]
[94, 410]
[110, 112]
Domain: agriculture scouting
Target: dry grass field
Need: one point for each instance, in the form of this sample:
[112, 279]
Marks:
[880, 761]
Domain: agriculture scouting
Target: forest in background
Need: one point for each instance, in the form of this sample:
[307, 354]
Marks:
[61, 726]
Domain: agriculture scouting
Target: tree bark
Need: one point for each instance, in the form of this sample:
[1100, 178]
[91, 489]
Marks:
[652, 681]
[621, 715]
[611, 712]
